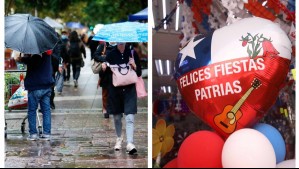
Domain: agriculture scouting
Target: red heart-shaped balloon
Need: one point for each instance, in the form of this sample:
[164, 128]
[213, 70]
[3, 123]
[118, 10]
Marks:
[232, 77]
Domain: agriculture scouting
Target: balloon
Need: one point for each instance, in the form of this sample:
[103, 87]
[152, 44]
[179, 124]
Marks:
[201, 149]
[275, 138]
[287, 164]
[248, 148]
[172, 164]
[231, 77]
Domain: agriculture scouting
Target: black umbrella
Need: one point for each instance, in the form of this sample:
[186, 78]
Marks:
[28, 34]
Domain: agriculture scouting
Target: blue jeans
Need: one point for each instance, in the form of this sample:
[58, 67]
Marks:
[129, 126]
[59, 81]
[41, 97]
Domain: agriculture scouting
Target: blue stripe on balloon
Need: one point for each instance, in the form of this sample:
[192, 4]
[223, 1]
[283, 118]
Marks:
[202, 53]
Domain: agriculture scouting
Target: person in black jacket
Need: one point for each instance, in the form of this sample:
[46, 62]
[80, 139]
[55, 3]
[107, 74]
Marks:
[38, 83]
[57, 67]
[122, 99]
[92, 44]
[75, 48]
[65, 56]
[100, 56]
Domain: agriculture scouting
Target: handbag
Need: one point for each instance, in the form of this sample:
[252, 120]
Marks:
[96, 67]
[123, 75]
[140, 88]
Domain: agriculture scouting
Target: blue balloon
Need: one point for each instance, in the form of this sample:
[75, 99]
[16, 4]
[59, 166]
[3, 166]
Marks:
[275, 138]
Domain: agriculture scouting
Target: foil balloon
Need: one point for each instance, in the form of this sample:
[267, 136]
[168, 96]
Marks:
[232, 77]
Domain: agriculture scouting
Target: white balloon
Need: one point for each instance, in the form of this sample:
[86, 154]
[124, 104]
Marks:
[287, 164]
[248, 148]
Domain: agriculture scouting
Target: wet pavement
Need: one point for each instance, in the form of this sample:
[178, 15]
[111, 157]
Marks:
[81, 136]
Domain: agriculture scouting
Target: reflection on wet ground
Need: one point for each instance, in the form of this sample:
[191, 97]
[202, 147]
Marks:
[79, 140]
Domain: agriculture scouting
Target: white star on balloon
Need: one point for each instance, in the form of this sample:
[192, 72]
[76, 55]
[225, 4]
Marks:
[189, 50]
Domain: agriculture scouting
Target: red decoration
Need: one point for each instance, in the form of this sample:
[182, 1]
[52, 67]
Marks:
[172, 164]
[257, 9]
[49, 52]
[278, 4]
[202, 149]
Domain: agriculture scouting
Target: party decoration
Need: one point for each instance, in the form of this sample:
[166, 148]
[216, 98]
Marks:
[201, 150]
[187, 28]
[257, 9]
[248, 148]
[231, 77]
[287, 164]
[172, 164]
[162, 138]
[275, 138]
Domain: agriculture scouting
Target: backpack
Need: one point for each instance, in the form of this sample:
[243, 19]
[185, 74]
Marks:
[74, 50]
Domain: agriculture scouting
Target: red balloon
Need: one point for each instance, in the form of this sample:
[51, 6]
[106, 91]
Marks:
[172, 164]
[202, 149]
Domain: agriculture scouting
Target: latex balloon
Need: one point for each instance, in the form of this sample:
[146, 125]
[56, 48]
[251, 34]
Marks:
[172, 164]
[287, 164]
[201, 150]
[248, 148]
[232, 77]
[276, 139]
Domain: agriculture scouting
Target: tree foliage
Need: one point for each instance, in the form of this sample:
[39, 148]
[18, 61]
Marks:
[88, 12]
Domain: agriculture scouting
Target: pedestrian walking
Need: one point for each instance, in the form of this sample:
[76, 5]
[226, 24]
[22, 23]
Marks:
[92, 44]
[100, 56]
[123, 99]
[75, 50]
[65, 56]
[57, 71]
[38, 83]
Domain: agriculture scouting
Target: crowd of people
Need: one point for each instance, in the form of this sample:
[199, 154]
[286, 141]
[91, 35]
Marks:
[46, 76]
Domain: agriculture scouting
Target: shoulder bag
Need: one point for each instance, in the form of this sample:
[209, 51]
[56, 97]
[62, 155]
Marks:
[123, 75]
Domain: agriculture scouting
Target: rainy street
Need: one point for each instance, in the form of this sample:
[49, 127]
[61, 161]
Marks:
[81, 136]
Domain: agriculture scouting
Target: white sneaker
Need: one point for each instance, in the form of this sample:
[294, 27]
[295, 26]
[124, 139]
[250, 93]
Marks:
[117, 146]
[131, 149]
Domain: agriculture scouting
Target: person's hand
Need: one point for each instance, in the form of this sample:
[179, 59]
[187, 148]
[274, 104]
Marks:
[132, 63]
[104, 66]
[17, 56]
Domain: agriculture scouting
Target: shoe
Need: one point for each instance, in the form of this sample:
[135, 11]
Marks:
[59, 93]
[52, 105]
[131, 149]
[106, 115]
[32, 137]
[117, 146]
[76, 83]
[45, 137]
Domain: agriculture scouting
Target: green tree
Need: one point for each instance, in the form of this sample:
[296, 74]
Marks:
[88, 12]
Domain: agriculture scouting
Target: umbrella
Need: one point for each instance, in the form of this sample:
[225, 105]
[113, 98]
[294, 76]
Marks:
[53, 23]
[123, 32]
[28, 34]
[141, 15]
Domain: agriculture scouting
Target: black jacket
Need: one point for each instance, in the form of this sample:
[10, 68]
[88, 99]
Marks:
[99, 57]
[121, 99]
[39, 72]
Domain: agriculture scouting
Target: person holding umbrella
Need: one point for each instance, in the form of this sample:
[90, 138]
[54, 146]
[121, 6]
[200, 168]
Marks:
[34, 38]
[38, 83]
[123, 99]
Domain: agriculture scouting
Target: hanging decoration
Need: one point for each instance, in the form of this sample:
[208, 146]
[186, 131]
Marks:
[188, 30]
[233, 7]
[257, 9]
